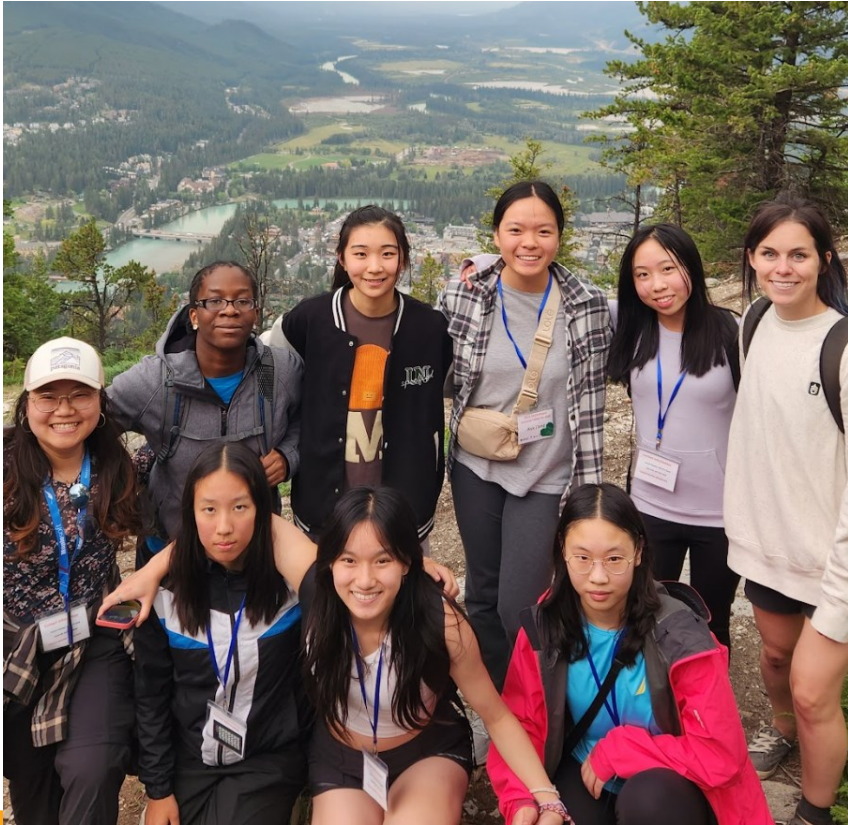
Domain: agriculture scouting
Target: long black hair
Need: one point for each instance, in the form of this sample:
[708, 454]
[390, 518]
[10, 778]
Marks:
[370, 215]
[787, 208]
[114, 508]
[561, 611]
[266, 589]
[708, 331]
[419, 651]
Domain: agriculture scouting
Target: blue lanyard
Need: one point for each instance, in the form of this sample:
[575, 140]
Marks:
[661, 416]
[230, 652]
[538, 317]
[67, 559]
[612, 711]
[361, 674]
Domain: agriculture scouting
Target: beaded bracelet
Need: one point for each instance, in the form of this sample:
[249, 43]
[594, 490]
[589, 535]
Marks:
[550, 789]
[557, 808]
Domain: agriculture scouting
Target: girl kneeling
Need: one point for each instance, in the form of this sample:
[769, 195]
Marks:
[666, 744]
[218, 673]
[385, 653]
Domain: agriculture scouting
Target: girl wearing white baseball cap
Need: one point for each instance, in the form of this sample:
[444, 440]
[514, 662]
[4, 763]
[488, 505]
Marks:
[68, 501]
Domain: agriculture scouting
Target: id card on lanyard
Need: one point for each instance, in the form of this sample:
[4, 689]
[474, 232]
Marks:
[539, 424]
[375, 772]
[63, 627]
[225, 727]
[655, 468]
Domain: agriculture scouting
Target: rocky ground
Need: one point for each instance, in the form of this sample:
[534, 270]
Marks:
[481, 805]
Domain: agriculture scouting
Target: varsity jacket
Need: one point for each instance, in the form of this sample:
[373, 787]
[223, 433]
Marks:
[166, 399]
[470, 314]
[692, 701]
[174, 680]
[413, 415]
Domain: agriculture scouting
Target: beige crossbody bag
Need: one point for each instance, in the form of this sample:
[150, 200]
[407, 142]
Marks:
[494, 435]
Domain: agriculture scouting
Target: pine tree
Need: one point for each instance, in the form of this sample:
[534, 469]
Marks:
[429, 282]
[738, 102]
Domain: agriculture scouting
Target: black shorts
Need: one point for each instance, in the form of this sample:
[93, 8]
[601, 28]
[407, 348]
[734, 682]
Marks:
[333, 765]
[774, 602]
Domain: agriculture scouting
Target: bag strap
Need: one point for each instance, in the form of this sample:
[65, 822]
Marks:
[830, 360]
[528, 395]
[752, 320]
[171, 407]
[579, 729]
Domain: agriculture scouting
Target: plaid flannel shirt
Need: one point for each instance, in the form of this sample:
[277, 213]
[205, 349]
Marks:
[21, 674]
[470, 313]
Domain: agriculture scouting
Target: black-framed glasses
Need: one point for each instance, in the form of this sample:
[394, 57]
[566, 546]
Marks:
[218, 304]
[583, 565]
[48, 402]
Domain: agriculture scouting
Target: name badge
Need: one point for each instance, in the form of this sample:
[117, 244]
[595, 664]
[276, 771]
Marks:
[656, 469]
[375, 779]
[226, 729]
[535, 426]
[53, 627]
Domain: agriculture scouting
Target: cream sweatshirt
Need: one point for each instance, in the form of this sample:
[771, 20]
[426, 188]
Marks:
[785, 495]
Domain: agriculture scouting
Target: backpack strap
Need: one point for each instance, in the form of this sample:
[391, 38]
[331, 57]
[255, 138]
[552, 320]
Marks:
[752, 320]
[527, 618]
[265, 395]
[172, 403]
[830, 361]
[731, 345]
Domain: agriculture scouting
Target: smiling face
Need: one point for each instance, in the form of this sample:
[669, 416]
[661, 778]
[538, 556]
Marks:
[528, 239]
[227, 329]
[373, 261]
[367, 578]
[661, 283]
[787, 265]
[603, 595]
[62, 433]
[225, 515]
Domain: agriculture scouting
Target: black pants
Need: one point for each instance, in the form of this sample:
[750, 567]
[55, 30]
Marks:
[509, 563]
[710, 575]
[79, 779]
[655, 797]
[261, 790]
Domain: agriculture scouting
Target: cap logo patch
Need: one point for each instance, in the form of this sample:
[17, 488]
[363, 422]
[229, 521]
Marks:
[66, 358]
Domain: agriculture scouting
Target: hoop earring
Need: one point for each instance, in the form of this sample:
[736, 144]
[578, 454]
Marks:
[102, 422]
[24, 426]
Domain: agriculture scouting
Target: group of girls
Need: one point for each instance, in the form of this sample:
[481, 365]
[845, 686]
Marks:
[221, 717]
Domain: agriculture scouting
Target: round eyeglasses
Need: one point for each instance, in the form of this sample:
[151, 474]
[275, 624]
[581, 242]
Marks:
[218, 304]
[583, 565]
[48, 402]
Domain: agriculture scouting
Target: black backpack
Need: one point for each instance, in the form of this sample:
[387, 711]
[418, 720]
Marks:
[830, 357]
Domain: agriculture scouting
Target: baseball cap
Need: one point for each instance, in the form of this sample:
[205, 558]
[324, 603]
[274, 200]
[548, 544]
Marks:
[64, 359]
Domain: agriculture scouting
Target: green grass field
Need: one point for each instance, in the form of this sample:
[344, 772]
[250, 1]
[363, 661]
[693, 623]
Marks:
[566, 159]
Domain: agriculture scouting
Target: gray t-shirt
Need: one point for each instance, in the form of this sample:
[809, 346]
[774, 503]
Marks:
[543, 466]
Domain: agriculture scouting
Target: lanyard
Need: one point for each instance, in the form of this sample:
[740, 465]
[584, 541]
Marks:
[612, 711]
[358, 659]
[661, 416]
[215, 668]
[538, 317]
[67, 559]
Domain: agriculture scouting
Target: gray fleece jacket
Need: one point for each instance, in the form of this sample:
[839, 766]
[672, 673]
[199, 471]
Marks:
[139, 401]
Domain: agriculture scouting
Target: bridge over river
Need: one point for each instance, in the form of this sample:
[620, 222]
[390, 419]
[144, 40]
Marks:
[155, 234]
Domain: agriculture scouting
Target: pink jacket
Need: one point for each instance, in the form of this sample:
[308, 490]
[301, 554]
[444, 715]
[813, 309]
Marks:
[711, 750]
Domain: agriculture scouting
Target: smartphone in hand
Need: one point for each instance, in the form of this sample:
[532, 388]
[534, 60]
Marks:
[120, 616]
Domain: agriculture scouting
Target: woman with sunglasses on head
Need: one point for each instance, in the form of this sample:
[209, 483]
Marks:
[68, 502]
[622, 688]
[211, 379]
